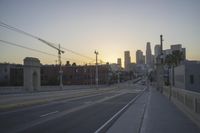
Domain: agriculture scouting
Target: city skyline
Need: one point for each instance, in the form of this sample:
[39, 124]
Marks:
[111, 27]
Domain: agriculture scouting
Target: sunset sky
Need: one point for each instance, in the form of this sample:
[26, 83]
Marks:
[109, 26]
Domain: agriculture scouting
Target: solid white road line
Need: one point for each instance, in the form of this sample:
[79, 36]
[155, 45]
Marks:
[49, 113]
[115, 115]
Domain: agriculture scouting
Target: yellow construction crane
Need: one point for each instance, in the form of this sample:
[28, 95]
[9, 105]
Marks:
[59, 58]
[2, 24]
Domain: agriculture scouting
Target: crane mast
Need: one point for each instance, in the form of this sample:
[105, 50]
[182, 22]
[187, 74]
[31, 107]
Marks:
[59, 59]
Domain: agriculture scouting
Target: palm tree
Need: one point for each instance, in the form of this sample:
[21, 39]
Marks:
[169, 60]
[178, 57]
[173, 60]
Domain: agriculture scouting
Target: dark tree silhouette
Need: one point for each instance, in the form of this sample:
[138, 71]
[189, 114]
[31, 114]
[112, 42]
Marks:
[174, 59]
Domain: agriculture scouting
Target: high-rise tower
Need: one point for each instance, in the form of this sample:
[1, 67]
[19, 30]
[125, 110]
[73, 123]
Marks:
[148, 55]
[127, 60]
[119, 62]
[139, 57]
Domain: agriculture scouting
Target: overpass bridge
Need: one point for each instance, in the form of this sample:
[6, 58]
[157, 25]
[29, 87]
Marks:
[127, 107]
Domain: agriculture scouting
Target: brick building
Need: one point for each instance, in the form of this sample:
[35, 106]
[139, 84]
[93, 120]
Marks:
[12, 74]
[74, 75]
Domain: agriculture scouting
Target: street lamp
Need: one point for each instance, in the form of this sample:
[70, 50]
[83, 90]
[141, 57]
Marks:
[161, 65]
[95, 52]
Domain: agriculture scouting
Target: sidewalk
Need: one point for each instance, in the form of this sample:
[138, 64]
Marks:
[131, 120]
[160, 116]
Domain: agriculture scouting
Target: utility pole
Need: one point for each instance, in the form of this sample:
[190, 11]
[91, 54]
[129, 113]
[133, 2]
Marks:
[161, 65]
[96, 77]
[90, 66]
[161, 48]
[60, 67]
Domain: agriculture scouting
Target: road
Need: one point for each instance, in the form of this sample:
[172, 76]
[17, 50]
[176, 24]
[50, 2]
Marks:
[81, 114]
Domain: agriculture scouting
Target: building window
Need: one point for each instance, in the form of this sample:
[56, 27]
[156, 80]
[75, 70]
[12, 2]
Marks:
[191, 79]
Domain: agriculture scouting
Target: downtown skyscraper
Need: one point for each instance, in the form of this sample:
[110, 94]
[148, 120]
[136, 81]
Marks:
[149, 60]
[127, 60]
[119, 62]
[140, 59]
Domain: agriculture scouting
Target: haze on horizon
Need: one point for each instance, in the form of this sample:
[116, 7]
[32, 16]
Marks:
[109, 26]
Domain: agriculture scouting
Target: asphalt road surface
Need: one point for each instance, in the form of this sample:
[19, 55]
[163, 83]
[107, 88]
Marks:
[84, 114]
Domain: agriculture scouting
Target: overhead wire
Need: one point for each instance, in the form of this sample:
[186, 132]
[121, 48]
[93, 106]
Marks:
[78, 53]
[31, 49]
[2, 24]
[16, 30]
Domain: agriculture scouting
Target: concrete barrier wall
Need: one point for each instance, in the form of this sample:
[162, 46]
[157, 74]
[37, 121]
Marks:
[11, 89]
[187, 101]
[20, 89]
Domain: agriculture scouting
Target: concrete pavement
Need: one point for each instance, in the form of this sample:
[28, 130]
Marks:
[153, 113]
[13, 101]
[83, 114]
[130, 121]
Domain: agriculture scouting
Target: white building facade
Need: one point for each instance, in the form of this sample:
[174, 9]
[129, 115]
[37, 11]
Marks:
[187, 76]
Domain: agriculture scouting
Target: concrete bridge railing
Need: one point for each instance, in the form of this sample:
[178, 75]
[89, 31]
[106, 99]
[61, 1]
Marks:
[187, 101]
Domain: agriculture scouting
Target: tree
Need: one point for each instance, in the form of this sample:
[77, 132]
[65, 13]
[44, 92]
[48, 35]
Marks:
[169, 60]
[173, 60]
[178, 57]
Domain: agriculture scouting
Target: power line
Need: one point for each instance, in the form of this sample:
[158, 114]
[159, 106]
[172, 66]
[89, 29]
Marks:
[31, 49]
[2, 24]
[17, 30]
[78, 53]
[35, 50]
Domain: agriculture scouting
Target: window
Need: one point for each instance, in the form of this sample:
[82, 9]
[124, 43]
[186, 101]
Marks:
[191, 79]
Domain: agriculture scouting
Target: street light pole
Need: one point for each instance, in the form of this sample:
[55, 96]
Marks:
[96, 77]
[60, 68]
[161, 65]
[161, 48]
